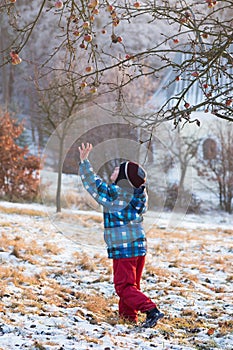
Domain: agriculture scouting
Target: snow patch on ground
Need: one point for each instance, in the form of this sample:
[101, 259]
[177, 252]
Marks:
[57, 292]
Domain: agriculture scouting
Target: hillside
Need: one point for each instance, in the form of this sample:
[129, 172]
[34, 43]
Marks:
[57, 293]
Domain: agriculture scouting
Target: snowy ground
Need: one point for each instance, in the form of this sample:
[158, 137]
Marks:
[57, 292]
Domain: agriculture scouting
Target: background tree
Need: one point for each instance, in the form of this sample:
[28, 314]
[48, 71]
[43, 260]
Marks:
[19, 171]
[216, 165]
[58, 99]
[200, 31]
[180, 151]
[183, 149]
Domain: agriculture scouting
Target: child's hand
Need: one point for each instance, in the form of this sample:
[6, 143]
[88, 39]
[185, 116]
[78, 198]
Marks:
[84, 151]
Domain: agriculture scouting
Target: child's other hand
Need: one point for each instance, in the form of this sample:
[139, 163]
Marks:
[84, 151]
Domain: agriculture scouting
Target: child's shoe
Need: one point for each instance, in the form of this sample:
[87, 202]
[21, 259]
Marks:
[152, 318]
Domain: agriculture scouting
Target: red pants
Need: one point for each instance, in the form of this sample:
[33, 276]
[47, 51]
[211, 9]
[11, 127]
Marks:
[127, 276]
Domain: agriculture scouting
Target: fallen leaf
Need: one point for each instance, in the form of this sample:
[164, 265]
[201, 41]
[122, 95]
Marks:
[210, 331]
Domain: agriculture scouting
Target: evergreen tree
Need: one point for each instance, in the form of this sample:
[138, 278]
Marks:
[19, 171]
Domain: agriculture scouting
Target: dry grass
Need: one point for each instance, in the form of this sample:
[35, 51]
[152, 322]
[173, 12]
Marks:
[191, 277]
[187, 323]
[71, 199]
[225, 327]
[101, 307]
[22, 211]
[80, 199]
[27, 250]
[176, 283]
[38, 346]
[84, 261]
[86, 221]
[182, 265]
[161, 273]
[16, 276]
[52, 248]
[206, 252]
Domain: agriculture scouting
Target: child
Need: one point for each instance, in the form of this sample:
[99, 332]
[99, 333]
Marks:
[124, 201]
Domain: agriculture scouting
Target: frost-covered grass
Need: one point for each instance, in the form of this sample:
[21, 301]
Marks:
[57, 293]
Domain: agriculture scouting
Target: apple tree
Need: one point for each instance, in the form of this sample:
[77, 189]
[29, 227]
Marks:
[140, 38]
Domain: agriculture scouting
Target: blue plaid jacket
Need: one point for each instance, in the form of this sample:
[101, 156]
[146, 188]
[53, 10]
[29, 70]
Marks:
[123, 231]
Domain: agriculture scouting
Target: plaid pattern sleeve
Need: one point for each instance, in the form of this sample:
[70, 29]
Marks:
[103, 193]
[142, 205]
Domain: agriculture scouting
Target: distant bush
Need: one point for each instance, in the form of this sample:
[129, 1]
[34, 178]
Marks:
[182, 200]
[19, 171]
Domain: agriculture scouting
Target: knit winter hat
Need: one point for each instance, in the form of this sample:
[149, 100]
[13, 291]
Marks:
[133, 172]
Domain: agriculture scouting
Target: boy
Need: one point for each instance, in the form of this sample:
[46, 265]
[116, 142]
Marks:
[124, 201]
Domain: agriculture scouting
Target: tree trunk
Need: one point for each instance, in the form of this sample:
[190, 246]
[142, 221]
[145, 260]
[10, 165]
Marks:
[59, 178]
[180, 197]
